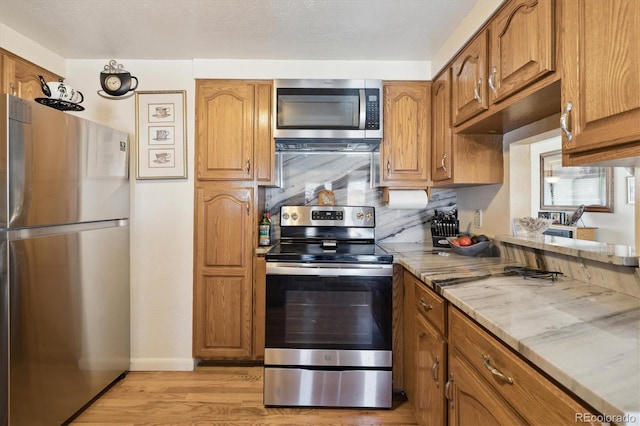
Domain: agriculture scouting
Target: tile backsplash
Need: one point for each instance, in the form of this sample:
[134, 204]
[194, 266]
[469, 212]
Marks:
[348, 175]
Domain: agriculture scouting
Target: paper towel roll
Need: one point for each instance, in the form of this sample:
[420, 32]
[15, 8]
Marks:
[408, 199]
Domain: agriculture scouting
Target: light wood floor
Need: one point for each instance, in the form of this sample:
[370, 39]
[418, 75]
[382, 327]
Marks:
[218, 396]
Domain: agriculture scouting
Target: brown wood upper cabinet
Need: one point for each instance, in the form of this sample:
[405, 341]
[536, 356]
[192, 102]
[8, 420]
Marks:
[233, 123]
[19, 77]
[522, 48]
[601, 82]
[406, 154]
[469, 95]
[441, 135]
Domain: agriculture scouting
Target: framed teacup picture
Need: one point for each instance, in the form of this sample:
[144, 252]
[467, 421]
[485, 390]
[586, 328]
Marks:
[161, 135]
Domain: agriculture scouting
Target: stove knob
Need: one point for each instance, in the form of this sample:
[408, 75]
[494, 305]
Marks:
[369, 216]
[360, 215]
[294, 216]
[285, 216]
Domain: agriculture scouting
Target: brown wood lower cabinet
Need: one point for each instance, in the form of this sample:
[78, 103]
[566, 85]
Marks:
[426, 360]
[488, 381]
[431, 362]
[457, 373]
[222, 306]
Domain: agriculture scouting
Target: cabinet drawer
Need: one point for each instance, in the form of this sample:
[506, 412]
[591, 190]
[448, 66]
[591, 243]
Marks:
[528, 390]
[431, 306]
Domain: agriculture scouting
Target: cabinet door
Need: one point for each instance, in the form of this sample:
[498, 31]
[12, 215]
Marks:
[472, 401]
[259, 300]
[441, 157]
[469, 81]
[20, 77]
[406, 155]
[522, 46]
[225, 130]
[265, 146]
[601, 80]
[223, 273]
[430, 376]
[409, 343]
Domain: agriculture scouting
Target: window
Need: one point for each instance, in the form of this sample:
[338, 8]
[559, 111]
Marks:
[566, 188]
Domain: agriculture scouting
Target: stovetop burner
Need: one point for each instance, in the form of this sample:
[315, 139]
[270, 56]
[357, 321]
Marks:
[532, 273]
[336, 234]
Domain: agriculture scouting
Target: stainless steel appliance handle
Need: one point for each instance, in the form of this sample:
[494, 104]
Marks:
[330, 269]
[363, 109]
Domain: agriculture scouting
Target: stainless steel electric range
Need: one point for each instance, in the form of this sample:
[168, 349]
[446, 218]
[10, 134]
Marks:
[328, 311]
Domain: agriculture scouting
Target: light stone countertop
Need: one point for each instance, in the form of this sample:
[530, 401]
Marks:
[585, 337]
[614, 254]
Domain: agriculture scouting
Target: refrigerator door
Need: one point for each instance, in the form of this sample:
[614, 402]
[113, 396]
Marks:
[56, 168]
[69, 317]
[4, 331]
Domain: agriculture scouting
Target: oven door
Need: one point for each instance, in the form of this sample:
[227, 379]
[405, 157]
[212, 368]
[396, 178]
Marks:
[328, 314]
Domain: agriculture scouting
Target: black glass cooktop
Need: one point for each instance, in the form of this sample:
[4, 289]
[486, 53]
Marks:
[340, 252]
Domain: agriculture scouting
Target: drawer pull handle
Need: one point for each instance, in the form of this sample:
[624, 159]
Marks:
[447, 391]
[425, 306]
[434, 372]
[564, 117]
[494, 371]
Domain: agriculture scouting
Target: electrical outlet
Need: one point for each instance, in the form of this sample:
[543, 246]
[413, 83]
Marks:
[477, 218]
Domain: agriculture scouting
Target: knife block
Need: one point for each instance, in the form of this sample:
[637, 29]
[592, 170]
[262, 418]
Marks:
[443, 228]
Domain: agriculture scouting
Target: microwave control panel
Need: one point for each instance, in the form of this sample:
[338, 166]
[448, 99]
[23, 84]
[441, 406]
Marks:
[373, 109]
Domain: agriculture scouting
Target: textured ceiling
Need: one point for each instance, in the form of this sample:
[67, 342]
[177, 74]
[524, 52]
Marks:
[238, 29]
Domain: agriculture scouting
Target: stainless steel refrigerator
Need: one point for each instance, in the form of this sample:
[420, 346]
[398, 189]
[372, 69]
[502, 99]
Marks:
[64, 260]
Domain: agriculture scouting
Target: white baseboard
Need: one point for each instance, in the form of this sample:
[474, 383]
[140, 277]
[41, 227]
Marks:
[162, 364]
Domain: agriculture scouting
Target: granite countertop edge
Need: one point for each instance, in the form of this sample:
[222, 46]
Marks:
[550, 325]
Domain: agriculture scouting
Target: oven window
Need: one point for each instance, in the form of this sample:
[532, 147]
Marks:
[305, 312]
[321, 317]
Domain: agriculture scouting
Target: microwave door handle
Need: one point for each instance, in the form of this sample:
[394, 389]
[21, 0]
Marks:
[363, 109]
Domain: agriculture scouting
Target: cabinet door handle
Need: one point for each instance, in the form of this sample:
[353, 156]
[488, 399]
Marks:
[248, 206]
[388, 167]
[447, 390]
[494, 371]
[492, 80]
[425, 306]
[563, 121]
[14, 92]
[444, 157]
[476, 90]
[434, 371]
[248, 165]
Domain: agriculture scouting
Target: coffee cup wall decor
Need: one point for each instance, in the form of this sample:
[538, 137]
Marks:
[117, 82]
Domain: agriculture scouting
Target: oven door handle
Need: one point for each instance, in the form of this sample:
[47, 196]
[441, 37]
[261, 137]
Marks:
[330, 269]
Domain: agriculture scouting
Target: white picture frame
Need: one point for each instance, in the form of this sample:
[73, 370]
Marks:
[161, 137]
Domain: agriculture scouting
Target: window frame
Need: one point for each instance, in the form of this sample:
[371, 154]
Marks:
[607, 207]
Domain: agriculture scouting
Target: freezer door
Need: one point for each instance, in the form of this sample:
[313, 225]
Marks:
[69, 319]
[57, 168]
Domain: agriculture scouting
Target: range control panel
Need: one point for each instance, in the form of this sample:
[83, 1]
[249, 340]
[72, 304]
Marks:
[341, 216]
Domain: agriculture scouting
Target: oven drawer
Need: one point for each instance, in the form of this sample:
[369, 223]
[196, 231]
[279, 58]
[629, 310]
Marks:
[328, 358]
[327, 388]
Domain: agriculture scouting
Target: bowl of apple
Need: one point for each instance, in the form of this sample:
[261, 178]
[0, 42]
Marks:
[469, 245]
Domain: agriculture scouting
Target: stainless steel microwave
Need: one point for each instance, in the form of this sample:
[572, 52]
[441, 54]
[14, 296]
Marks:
[328, 109]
